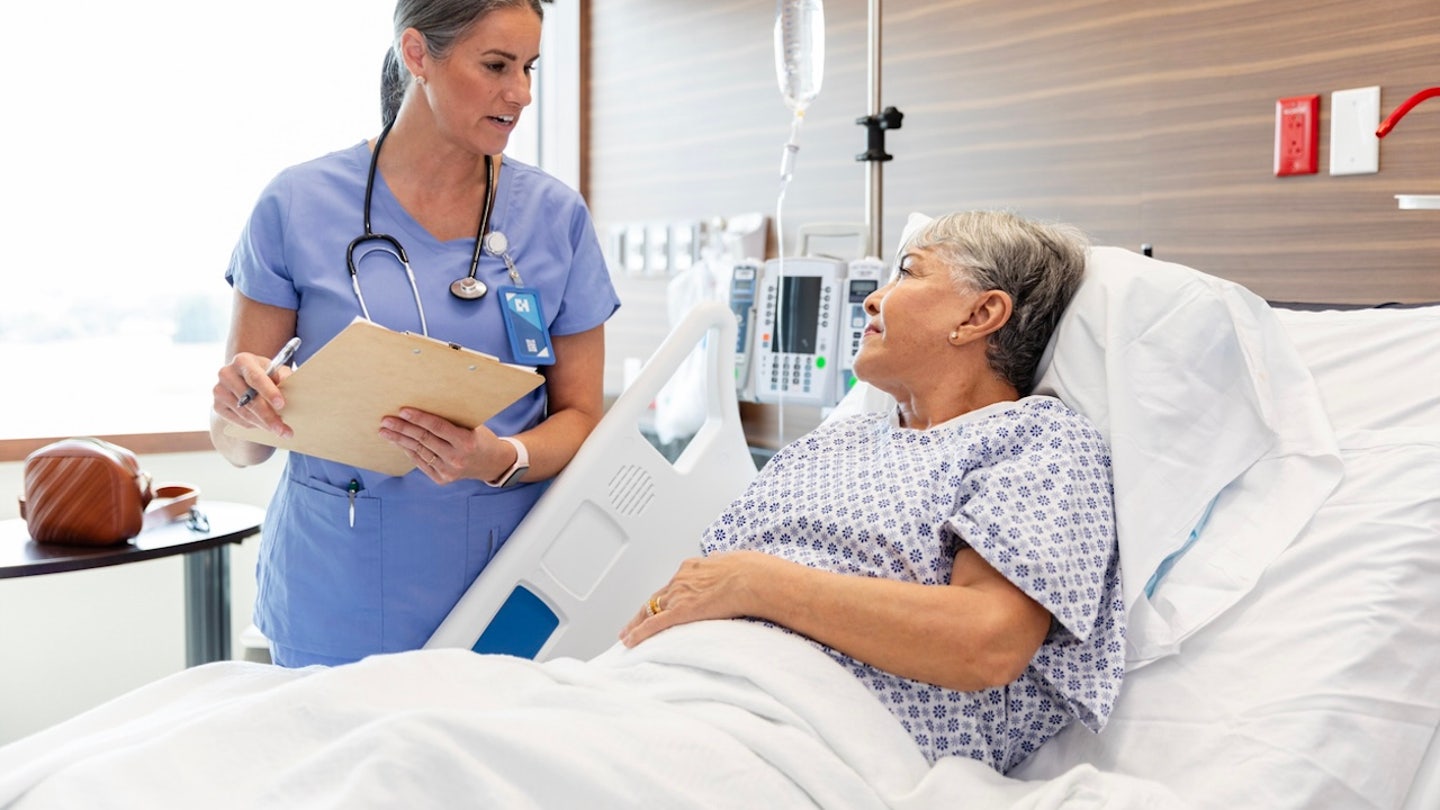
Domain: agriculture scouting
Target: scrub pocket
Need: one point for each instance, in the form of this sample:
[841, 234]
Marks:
[319, 585]
[433, 550]
[492, 520]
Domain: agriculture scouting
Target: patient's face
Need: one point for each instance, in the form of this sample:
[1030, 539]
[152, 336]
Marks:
[911, 319]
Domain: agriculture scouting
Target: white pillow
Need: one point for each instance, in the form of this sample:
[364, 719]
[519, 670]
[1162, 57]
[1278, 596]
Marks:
[1317, 689]
[1220, 446]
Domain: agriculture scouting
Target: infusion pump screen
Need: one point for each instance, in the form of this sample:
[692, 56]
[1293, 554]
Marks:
[800, 320]
[860, 290]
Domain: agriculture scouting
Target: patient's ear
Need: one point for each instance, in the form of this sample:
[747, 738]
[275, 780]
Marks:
[989, 311]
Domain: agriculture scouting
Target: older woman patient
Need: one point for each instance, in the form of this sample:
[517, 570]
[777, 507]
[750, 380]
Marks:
[957, 555]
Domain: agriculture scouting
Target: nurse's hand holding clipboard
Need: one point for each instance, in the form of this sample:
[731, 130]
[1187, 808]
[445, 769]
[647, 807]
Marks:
[447, 452]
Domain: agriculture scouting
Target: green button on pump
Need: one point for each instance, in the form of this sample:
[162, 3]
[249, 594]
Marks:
[819, 362]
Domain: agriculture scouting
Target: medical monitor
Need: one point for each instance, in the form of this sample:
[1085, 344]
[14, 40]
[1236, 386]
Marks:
[798, 320]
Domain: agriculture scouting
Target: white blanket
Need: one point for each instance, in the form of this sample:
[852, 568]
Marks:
[715, 714]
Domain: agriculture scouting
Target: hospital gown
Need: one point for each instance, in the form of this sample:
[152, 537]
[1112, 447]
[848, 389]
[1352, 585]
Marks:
[1025, 484]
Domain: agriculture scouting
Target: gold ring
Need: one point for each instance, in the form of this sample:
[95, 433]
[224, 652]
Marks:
[653, 606]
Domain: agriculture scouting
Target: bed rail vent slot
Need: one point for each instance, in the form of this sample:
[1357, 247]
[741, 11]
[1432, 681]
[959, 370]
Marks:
[631, 490]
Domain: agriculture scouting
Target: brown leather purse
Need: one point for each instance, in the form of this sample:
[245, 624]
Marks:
[92, 492]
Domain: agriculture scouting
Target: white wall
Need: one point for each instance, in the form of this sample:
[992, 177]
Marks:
[71, 641]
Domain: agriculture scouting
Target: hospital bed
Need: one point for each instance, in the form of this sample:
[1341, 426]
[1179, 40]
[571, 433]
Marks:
[1348, 557]
[1277, 477]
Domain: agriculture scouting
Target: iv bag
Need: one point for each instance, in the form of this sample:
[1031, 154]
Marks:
[799, 51]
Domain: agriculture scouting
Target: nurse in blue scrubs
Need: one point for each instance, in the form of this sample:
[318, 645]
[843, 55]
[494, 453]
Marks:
[352, 561]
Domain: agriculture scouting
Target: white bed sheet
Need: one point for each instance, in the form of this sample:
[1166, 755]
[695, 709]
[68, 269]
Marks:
[710, 715]
[1376, 368]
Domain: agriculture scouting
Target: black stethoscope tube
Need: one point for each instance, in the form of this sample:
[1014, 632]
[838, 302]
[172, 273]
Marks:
[469, 287]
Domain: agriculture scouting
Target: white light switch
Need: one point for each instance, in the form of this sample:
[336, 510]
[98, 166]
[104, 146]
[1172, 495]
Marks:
[1354, 115]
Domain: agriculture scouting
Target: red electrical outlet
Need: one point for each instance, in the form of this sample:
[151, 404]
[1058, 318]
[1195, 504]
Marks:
[1297, 135]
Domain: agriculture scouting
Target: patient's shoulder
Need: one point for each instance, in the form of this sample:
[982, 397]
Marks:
[1035, 421]
[1042, 414]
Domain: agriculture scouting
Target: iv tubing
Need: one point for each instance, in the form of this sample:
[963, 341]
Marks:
[787, 170]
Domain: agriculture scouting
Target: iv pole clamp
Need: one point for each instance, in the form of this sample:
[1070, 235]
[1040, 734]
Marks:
[875, 126]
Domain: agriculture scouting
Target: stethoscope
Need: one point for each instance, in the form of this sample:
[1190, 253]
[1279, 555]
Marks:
[468, 287]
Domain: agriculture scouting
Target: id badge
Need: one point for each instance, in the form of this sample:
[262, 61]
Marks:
[525, 326]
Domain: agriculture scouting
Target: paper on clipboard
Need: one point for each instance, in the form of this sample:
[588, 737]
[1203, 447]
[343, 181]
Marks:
[335, 400]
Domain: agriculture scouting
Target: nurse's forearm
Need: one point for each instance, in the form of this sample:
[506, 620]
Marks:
[552, 443]
[575, 392]
[239, 452]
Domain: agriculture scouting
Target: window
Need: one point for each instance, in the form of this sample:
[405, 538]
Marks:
[136, 148]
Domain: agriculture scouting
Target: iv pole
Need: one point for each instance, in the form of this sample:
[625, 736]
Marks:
[875, 124]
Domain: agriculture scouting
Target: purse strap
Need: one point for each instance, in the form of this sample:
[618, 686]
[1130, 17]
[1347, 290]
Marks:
[171, 503]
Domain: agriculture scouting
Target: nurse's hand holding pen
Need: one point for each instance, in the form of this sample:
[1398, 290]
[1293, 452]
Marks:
[248, 391]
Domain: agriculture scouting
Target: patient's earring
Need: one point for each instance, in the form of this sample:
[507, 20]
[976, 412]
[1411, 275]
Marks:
[955, 338]
[420, 80]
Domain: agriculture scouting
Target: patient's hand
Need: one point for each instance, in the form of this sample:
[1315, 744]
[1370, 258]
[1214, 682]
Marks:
[721, 586]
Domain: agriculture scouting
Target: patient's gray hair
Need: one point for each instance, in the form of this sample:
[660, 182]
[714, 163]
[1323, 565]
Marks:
[1039, 265]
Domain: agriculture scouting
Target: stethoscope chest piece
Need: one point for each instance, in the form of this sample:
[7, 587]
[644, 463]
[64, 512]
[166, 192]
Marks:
[468, 288]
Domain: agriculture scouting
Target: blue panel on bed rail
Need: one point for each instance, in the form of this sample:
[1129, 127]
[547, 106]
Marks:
[520, 627]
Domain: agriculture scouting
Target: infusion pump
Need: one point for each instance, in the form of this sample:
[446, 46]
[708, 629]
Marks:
[800, 322]
[865, 276]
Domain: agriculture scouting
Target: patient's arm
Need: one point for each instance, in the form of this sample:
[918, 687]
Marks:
[977, 632]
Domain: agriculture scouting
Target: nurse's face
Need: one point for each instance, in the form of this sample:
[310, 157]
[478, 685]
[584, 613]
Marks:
[478, 90]
[911, 319]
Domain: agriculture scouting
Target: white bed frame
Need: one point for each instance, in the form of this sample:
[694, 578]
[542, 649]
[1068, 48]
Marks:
[616, 524]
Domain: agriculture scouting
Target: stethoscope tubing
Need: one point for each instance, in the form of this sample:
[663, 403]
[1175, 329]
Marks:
[468, 287]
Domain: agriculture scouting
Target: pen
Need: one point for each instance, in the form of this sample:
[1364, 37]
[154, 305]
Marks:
[286, 352]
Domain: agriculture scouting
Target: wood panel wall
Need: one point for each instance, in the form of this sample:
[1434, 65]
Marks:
[1143, 122]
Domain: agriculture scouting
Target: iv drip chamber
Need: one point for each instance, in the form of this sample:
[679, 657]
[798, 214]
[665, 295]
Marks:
[799, 51]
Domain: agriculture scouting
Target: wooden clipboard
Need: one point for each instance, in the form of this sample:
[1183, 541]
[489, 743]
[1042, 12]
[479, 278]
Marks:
[335, 400]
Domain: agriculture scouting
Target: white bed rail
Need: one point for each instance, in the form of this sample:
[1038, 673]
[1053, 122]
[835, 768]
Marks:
[617, 521]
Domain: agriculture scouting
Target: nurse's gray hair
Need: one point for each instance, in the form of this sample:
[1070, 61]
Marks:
[1039, 265]
[442, 22]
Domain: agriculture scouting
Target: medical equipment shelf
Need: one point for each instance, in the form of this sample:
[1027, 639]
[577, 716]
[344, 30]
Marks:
[1418, 201]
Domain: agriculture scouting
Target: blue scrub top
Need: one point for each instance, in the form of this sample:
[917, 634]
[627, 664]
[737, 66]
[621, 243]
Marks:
[330, 592]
